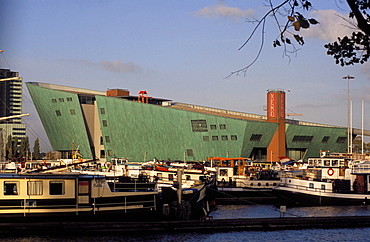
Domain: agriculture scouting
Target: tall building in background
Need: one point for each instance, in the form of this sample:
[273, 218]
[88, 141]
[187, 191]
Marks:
[10, 105]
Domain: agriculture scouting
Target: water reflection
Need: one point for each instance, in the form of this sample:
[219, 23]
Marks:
[269, 211]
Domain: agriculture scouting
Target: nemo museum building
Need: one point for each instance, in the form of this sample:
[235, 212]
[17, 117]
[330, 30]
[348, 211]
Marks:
[116, 124]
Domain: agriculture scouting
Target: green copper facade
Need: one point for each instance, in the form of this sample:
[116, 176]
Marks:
[137, 130]
[106, 127]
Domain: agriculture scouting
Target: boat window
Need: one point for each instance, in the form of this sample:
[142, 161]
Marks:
[159, 175]
[334, 163]
[187, 177]
[56, 188]
[318, 162]
[310, 185]
[34, 188]
[327, 162]
[322, 187]
[223, 172]
[11, 188]
[170, 177]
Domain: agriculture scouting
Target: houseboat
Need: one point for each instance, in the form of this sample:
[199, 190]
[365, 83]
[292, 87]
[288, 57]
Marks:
[336, 179]
[72, 194]
[241, 180]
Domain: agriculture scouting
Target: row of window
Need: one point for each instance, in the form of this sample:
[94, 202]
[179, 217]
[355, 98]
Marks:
[54, 100]
[223, 137]
[71, 111]
[201, 126]
[34, 188]
[102, 153]
[214, 126]
[325, 139]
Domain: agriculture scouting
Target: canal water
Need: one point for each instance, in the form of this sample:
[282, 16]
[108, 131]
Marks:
[242, 211]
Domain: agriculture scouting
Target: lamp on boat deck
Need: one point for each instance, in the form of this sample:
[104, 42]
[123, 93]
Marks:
[349, 128]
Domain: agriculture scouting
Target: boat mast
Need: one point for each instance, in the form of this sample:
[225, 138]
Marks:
[362, 128]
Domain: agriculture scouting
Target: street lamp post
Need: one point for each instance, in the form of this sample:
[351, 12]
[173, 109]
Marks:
[349, 131]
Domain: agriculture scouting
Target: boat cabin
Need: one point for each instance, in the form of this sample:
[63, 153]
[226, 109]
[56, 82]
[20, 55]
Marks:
[39, 194]
[361, 184]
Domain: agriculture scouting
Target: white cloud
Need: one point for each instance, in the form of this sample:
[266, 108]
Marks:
[114, 66]
[119, 66]
[332, 25]
[220, 10]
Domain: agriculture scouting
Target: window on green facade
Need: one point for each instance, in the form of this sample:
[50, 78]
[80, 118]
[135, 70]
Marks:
[302, 138]
[72, 111]
[325, 139]
[199, 125]
[341, 140]
[255, 137]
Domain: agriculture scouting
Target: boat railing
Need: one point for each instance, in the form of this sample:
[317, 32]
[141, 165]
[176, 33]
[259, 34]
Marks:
[131, 184]
[252, 183]
[27, 207]
[126, 205]
[301, 187]
[361, 169]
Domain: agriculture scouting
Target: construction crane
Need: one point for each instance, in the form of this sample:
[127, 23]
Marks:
[14, 116]
[293, 113]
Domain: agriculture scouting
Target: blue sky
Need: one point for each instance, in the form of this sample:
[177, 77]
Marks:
[180, 50]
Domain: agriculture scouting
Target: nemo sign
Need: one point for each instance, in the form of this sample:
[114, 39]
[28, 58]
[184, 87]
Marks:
[276, 105]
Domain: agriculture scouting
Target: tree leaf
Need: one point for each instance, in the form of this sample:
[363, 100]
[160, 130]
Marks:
[313, 21]
[304, 23]
[297, 25]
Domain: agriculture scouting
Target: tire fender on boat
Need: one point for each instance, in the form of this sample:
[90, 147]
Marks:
[330, 171]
